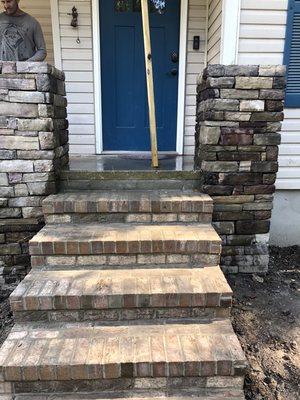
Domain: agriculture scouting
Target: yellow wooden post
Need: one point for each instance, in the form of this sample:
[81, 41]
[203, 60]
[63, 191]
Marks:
[150, 83]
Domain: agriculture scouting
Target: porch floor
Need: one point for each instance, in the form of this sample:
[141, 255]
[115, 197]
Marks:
[124, 162]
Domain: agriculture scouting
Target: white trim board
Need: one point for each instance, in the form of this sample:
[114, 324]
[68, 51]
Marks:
[56, 34]
[184, 5]
[97, 75]
[231, 13]
[181, 77]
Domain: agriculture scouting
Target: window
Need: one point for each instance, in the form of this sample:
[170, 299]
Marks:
[292, 55]
[155, 6]
[122, 5]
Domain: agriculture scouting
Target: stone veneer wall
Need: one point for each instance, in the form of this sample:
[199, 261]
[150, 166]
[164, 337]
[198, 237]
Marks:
[33, 147]
[239, 114]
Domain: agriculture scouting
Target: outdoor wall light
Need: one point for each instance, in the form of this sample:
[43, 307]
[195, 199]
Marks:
[74, 22]
[74, 14]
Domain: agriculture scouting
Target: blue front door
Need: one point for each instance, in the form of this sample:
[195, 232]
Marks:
[124, 95]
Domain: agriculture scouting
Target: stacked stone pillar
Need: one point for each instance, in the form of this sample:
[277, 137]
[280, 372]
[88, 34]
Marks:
[33, 148]
[239, 114]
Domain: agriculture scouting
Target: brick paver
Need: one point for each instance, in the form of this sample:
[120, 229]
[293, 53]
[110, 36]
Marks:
[78, 350]
[93, 239]
[128, 202]
[93, 289]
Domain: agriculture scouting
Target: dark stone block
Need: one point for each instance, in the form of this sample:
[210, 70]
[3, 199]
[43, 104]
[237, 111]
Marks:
[267, 139]
[8, 154]
[238, 156]
[207, 156]
[217, 190]
[267, 116]
[274, 105]
[242, 178]
[252, 227]
[232, 216]
[211, 178]
[240, 240]
[262, 215]
[272, 153]
[271, 94]
[232, 139]
[264, 166]
[215, 70]
[211, 116]
[279, 82]
[208, 94]
[253, 125]
[259, 189]
[241, 70]
[269, 179]
[238, 130]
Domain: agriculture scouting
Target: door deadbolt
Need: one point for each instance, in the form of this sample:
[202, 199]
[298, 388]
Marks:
[174, 57]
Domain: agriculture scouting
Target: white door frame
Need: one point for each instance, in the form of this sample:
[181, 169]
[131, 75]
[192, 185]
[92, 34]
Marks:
[181, 75]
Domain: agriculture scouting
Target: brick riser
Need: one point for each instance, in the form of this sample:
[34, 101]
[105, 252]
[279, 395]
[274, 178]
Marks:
[124, 261]
[135, 394]
[211, 388]
[128, 207]
[114, 315]
[128, 218]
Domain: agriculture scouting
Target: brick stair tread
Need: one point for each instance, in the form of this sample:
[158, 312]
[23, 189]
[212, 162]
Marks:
[134, 201]
[69, 239]
[93, 289]
[86, 351]
[199, 394]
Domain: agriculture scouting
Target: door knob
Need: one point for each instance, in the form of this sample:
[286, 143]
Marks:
[174, 72]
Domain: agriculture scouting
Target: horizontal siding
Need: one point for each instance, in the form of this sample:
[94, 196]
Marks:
[261, 41]
[214, 31]
[41, 10]
[262, 31]
[77, 62]
[195, 63]
[289, 152]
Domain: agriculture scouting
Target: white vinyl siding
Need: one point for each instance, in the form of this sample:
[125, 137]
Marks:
[262, 39]
[214, 31]
[195, 64]
[42, 12]
[77, 62]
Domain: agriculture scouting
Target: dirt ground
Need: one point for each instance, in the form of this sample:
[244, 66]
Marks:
[266, 317]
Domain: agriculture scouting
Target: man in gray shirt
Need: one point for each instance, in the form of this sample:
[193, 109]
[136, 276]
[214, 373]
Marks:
[21, 36]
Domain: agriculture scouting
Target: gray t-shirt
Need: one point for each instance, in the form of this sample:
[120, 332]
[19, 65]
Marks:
[21, 38]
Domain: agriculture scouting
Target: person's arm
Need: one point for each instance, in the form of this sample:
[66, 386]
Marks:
[40, 44]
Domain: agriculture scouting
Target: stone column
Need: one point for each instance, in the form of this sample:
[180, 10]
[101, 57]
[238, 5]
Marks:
[33, 148]
[239, 114]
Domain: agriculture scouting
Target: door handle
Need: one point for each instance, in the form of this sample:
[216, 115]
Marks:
[174, 72]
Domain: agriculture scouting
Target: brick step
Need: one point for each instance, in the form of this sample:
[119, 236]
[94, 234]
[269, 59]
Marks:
[80, 295]
[200, 394]
[83, 179]
[128, 206]
[126, 244]
[115, 354]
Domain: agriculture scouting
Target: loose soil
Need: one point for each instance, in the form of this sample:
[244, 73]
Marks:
[266, 318]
